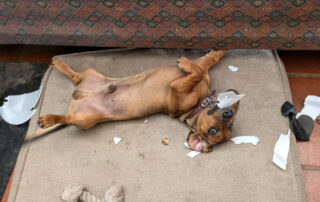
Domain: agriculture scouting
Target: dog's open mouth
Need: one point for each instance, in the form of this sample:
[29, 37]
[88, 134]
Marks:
[196, 144]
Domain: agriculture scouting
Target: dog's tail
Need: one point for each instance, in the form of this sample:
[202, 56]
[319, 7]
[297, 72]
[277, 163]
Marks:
[41, 132]
[210, 59]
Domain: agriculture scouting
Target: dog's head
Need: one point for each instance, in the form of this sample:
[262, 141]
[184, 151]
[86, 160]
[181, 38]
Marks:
[214, 125]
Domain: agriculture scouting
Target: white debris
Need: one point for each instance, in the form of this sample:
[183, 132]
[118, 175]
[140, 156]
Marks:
[193, 154]
[186, 145]
[233, 68]
[20, 108]
[228, 98]
[311, 107]
[116, 140]
[145, 121]
[281, 150]
[245, 139]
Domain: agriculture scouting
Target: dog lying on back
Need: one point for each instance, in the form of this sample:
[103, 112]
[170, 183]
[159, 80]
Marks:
[174, 90]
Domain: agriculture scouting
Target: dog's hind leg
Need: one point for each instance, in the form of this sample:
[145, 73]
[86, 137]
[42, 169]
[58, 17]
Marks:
[193, 76]
[83, 121]
[66, 70]
[210, 59]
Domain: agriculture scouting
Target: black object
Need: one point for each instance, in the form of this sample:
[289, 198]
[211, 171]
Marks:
[287, 108]
[301, 127]
[16, 78]
[227, 114]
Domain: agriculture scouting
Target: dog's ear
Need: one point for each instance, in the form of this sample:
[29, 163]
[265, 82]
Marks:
[212, 110]
[235, 91]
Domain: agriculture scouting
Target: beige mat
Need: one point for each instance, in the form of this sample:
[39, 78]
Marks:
[148, 170]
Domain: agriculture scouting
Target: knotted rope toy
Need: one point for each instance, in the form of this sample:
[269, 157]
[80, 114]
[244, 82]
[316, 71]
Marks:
[77, 192]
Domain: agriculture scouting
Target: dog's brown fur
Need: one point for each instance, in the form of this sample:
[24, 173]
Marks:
[212, 117]
[168, 89]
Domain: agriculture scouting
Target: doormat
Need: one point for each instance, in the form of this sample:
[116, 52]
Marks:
[16, 78]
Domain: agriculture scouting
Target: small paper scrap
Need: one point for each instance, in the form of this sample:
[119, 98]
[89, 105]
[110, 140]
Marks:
[245, 139]
[193, 154]
[281, 150]
[116, 140]
[145, 121]
[233, 68]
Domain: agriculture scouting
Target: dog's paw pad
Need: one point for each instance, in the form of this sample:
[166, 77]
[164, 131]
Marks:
[39, 123]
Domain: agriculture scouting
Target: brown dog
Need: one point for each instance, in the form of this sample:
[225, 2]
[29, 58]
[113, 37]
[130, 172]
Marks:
[168, 89]
[213, 126]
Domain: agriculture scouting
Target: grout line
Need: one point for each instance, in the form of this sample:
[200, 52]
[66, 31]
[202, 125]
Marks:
[22, 53]
[310, 167]
[303, 75]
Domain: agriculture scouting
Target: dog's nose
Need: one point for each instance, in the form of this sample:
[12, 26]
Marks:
[227, 113]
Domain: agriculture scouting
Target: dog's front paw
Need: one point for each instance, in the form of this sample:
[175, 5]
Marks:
[46, 121]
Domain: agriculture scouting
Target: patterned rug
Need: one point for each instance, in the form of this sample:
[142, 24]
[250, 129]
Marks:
[16, 78]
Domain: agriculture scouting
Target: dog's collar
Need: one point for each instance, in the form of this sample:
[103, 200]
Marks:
[208, 101]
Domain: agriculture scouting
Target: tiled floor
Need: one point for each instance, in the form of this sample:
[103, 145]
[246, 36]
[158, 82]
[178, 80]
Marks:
[303, 68]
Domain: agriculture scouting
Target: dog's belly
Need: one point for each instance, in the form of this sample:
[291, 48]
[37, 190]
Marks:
[128, 98]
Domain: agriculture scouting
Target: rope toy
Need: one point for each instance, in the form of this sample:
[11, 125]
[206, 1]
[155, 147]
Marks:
[77, 192]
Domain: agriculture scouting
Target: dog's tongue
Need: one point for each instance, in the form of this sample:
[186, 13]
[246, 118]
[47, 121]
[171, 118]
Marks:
[198, 145]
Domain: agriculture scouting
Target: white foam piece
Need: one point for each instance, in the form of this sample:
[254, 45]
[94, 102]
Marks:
[245, 139]
[281, 150]
[311, 107]
[20, 108]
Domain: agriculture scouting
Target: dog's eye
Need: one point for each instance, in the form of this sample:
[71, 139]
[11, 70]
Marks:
[231, 126]
[212, 110]
[212, 131]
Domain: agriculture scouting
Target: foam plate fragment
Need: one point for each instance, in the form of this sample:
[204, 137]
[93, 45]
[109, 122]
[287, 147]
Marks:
[20, 108]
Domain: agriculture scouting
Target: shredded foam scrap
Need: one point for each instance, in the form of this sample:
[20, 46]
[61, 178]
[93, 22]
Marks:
[233, 68]
[191, 154]
[245, 139]
[281, 150]
[311, 107]
[116, 140]
[228, 98]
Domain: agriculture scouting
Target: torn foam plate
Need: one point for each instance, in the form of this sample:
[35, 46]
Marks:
[227, 99]
[311, 107]
[20, 108]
